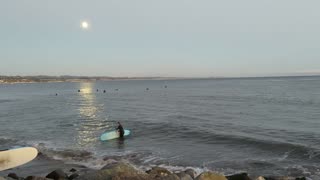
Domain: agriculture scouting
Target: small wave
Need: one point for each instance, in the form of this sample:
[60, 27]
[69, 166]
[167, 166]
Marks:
[64, 125]
[186, 118]
[264, 167]
[205, 135]
[65, 154]
[146, 160]
[82, 157]
[7, 100]
[5, 141]
[173, 168]
[285, 155]
[259, 99]
[48, 151]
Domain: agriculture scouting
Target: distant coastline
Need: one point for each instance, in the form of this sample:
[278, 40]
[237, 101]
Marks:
[49, 79]
[57, 79]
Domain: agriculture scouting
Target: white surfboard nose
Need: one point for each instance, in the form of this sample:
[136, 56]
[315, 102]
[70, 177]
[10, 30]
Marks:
[16, 157]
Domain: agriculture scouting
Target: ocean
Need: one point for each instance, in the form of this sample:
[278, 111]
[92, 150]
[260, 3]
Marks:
[263, 126]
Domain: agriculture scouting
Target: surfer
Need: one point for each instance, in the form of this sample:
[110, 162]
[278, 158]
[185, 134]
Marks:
[120, 130]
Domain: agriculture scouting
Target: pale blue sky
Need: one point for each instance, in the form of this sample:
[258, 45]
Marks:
[160, 37]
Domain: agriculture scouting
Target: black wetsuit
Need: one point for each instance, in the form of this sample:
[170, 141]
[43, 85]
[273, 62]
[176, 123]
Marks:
[121, 130]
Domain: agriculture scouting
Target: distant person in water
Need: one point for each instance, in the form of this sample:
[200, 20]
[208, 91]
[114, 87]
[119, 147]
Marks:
[120, 129]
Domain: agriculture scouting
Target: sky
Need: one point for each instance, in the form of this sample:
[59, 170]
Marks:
[169, 38]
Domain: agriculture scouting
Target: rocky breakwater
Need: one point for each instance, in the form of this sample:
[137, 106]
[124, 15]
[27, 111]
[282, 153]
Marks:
[123, 170]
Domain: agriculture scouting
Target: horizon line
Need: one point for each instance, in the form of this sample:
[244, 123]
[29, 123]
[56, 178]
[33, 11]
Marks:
[165, 77]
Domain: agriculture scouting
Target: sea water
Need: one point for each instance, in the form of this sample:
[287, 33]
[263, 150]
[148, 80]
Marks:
[263, 126]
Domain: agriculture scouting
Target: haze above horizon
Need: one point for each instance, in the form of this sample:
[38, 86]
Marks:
[183, 38]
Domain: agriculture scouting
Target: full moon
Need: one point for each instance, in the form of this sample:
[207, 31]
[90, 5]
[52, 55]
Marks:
[84, 25]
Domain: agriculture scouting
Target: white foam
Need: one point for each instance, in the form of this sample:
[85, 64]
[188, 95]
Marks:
[42, 144]
[285, 156]
[5, 137]
[174, 168]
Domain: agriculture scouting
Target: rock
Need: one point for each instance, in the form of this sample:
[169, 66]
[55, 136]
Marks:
[242, 176]
[36, 178]
[158, 172]
[9, 178]
[210, 176]
[116, 171]
[184, 176]
[111, 165]
[57, 175]
[191, 172]
[73, 176]
[260, 178]
[72, 170]
[13, 176]
[284, 178]
[169, 177]
[269, 178]
[6, 178]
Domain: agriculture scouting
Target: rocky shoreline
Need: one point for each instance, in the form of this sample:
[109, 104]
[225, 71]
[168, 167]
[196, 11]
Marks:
[124, 170]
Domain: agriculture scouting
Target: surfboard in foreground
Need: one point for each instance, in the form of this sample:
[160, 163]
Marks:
[113, 135]
[15, 157]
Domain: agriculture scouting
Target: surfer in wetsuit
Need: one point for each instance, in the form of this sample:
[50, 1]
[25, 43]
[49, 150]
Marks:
[120, 129]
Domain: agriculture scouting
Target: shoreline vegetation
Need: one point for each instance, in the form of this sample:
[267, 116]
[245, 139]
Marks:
[66, 78]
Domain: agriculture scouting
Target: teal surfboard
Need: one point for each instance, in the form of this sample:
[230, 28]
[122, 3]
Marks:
[113, 135]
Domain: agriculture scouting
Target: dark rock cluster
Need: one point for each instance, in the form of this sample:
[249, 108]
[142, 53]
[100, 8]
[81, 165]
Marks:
[122, 170]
